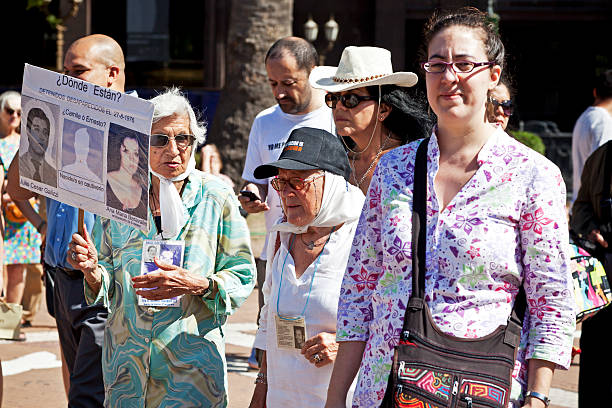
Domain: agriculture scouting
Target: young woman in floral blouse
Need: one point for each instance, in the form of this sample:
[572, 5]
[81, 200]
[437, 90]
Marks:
[496, 221]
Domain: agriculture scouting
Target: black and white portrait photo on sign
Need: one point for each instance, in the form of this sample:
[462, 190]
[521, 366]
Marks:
[38, 146]
[127, 182]
[82, 151]
[299, 337]
[150, 253]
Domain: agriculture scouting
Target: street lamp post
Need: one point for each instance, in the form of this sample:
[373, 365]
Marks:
[311, 32]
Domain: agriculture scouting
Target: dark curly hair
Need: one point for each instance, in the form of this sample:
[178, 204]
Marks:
[409, 119]
[603, 84]
[468, 17]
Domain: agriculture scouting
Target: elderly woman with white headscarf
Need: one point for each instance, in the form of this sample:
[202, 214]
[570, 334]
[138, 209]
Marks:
[305, 269]
[169, 356]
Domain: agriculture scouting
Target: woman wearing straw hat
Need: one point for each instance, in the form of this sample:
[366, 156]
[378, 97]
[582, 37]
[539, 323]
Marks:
[373, 109]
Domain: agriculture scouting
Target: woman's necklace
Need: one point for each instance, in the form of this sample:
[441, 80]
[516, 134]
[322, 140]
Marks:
[380, 150]
[311, 244]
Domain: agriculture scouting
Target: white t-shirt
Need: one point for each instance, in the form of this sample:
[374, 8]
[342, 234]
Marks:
[593, 129]
[292, 380]
[269, 133]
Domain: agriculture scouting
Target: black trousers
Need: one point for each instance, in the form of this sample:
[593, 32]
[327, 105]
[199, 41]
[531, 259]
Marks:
[81, 334]
[594, 382]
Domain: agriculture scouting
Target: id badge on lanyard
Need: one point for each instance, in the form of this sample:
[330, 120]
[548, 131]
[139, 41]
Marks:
[290, 332]
[169, 252]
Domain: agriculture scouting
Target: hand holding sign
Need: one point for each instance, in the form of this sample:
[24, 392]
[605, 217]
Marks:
[83, 256]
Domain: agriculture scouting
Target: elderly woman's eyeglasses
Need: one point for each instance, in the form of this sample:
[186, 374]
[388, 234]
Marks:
[182, 141]
[507, 105]
[459, 67]
[349, 100]
[295, 183]
[10, 111]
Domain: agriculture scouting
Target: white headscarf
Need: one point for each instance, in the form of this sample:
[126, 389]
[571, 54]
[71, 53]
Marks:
[171, 206]
[341, 203]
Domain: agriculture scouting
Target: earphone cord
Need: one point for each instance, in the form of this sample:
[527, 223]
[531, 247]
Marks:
[373, 130]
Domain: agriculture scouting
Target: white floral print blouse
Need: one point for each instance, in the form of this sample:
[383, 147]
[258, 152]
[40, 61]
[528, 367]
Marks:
[507, 226]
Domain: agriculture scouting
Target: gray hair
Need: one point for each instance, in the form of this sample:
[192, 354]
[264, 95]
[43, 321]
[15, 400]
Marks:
[5, 96]
[172, 102]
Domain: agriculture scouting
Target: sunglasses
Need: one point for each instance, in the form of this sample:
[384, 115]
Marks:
[10, 111]
[349, 100]
[295, 183]
[182, 141]
[507, 105]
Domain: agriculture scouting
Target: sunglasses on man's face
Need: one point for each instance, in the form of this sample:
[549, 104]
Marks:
[349, 100]
[507, 105]
[182, 141]
[10, 111]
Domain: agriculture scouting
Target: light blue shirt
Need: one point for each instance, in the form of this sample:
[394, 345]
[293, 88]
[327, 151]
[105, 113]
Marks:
[62, 222]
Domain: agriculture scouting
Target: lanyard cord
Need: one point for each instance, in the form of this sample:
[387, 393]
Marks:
[317, 261]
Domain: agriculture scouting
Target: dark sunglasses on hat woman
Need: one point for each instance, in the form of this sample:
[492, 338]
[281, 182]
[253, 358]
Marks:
[349, 100]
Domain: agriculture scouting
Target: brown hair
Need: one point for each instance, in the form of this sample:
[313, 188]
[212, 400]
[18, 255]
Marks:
[468, 17]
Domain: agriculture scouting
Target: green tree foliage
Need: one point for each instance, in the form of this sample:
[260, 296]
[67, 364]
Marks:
[530, 139]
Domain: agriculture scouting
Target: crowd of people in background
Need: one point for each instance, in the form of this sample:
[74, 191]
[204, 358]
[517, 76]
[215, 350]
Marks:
[332, 167]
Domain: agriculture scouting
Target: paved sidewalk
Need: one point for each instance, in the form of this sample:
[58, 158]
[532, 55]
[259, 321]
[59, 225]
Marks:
[33, 378]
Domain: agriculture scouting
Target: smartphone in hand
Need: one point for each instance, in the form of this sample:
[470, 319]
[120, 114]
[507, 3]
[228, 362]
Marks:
[251, 195]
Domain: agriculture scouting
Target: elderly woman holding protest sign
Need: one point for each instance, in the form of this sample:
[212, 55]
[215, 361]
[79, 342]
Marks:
[169, 356]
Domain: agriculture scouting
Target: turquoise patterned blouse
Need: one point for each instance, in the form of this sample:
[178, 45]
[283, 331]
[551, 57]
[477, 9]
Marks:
[175, 356]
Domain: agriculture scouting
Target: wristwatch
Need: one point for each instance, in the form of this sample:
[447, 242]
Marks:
[209, 289]
[538, 395]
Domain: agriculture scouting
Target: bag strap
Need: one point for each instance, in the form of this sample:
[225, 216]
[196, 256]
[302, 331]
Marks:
[419, 243]
[419, 220]
[8, 305]
[605, 215]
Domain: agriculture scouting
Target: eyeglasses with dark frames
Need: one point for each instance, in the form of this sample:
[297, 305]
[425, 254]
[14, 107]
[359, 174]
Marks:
[182, 141]
[459, 67]
[295, 183]
[10, 111]
[349, 100]
[507, 105]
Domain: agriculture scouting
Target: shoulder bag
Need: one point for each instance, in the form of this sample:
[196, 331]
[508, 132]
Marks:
[433, 369]
[591, 286]
[10, 320]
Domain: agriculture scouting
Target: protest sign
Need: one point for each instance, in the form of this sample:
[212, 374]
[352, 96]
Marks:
[85, 145]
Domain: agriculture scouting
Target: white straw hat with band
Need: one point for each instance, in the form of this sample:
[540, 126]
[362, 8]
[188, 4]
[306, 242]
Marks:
[359, 67]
